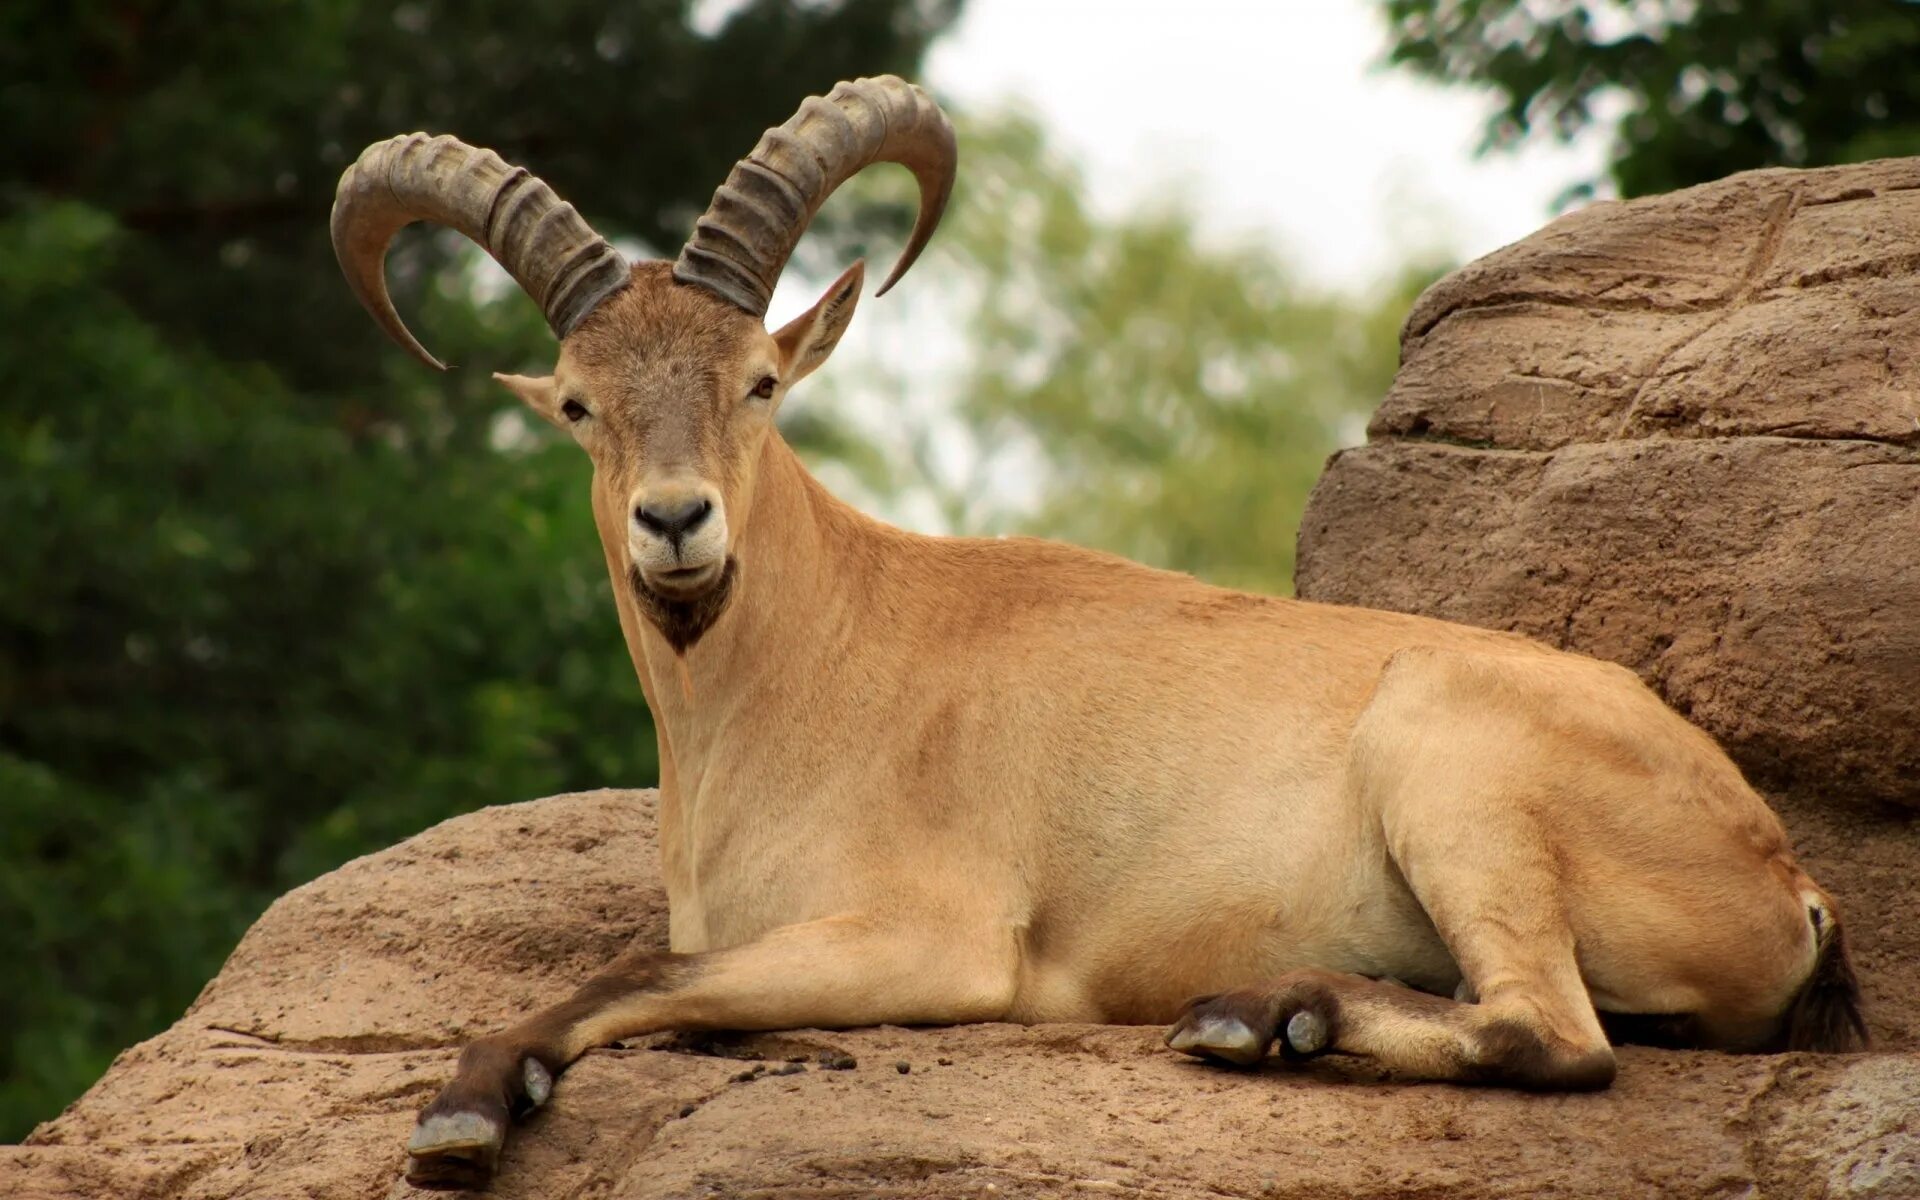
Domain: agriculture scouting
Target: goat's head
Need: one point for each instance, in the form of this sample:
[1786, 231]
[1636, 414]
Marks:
[666, 375]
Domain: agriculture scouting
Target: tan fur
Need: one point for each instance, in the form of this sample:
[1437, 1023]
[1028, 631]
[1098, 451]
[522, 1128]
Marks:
[917, 779]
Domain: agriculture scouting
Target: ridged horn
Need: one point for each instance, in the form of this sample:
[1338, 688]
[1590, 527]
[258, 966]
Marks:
[553, 254]
[743, 242]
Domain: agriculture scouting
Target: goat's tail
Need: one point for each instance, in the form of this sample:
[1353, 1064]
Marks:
[1825, 1014]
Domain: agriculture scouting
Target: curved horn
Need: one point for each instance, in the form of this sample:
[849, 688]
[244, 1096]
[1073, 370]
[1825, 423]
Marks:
[742, 243]
[542, 242]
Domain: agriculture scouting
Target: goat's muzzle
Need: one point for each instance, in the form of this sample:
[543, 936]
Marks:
[677, 539]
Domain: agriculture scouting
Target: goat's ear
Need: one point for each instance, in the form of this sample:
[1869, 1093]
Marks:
[806, 340]
[537, 394]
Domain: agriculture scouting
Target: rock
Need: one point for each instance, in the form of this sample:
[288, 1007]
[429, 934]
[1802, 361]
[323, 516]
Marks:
[299, 1070]
[1681, 433]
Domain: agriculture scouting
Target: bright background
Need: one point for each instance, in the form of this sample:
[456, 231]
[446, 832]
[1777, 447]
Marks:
[1276, 117]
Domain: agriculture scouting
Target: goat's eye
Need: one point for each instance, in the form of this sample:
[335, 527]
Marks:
[764, 389]
[574, 410]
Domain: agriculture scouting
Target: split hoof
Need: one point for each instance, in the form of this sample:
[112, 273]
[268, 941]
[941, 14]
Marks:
[1298, 1010]
[538, 1079]
[1222, 1038]
[455, 1150]
[1307, 1033]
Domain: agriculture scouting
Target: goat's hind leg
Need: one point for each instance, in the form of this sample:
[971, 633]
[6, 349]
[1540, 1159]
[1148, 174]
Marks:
[1415, 1035]
[1523, 1019]
[1459, 812]
[1532, 1024]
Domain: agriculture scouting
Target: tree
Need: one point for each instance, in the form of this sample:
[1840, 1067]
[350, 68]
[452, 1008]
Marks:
[274, 595]
[1121, 382]
[1703, 88]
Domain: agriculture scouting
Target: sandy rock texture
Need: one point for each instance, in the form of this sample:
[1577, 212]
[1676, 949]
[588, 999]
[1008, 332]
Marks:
[299, 1069]
[1682, 433]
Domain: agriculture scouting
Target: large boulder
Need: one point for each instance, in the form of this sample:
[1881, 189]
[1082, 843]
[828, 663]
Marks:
[1681, 433]
[299, 1069]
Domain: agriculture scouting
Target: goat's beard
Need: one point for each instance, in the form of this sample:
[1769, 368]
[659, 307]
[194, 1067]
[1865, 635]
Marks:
[683, 621]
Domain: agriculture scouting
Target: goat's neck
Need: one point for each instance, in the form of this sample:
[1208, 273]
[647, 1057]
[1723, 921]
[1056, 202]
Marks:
[804, 560]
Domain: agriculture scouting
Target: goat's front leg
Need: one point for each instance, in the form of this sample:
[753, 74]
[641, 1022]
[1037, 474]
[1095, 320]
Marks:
[836, 972]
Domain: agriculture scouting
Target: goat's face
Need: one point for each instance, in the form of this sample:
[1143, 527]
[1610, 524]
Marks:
[666, 374]
[672, 392]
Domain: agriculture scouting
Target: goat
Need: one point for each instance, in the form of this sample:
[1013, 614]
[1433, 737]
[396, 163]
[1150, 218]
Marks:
[930, 780]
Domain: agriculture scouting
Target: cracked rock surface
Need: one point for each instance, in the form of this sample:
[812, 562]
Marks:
[298, 1072]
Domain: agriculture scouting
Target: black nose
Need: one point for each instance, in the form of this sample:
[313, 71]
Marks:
[672, 520]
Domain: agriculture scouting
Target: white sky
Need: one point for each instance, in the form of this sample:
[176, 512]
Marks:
[1270, 113]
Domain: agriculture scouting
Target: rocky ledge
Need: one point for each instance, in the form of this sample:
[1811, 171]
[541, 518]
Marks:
[299, 1069]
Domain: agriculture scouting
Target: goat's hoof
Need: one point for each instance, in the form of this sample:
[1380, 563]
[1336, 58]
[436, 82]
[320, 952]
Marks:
[538, 1079]
[1218, 1036]
[455, 1150]
[1306, 1032]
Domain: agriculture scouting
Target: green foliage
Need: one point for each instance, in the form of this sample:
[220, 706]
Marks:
[1172, 398]
[1709, 87]
[275, 595]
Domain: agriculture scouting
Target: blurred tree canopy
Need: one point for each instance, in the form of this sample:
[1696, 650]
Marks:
[1709, 87]
[1157, 392]
[274, 595]
[1185, 394]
